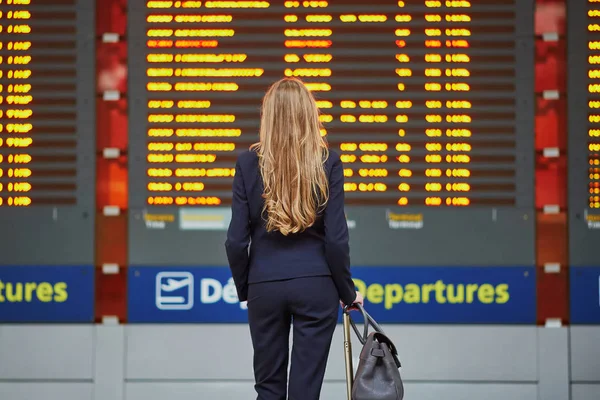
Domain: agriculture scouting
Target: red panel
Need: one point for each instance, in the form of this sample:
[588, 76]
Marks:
[550, 16]
[111, 295]
[551, 243]
[552, 295]
[111, 185]
[550, 65]
[111, 236]
[551, 240]
[112, 124]
[111, 16]
[550, 124]
[111, 66]
[111, 248]
[550, 183]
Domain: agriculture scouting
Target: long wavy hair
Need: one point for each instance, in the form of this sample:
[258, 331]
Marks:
[291, 155]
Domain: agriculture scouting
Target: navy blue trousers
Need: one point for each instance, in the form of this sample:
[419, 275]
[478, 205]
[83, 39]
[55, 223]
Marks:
[311, 306]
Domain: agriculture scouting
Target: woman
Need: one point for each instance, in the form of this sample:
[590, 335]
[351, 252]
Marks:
[288, 205]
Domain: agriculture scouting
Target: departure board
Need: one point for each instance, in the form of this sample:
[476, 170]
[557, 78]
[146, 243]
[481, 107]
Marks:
[429, 104]
[584, 130]
[46, 131]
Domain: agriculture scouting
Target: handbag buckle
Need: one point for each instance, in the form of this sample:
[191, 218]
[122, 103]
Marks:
[377, 353]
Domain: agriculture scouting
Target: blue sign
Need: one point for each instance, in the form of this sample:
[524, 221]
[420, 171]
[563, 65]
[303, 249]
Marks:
[477, 295]
[46, 294]
[585, 295]
[198, 294]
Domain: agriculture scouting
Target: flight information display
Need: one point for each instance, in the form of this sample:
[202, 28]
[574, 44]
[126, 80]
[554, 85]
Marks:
[584, 130]
[429, 104]
[46, 138]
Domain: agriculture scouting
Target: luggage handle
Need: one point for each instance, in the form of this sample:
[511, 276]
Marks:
[368, 320]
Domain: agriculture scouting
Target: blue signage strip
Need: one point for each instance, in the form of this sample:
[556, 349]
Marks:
[585, 295]
[476, 295]
[46, 294]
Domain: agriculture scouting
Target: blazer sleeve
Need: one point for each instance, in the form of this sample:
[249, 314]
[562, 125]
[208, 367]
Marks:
[238, 235]
[337, 250]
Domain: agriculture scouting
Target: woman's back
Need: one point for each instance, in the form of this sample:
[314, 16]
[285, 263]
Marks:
[274, 256]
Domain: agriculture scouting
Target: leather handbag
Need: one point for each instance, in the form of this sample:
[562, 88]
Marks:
[377, 375]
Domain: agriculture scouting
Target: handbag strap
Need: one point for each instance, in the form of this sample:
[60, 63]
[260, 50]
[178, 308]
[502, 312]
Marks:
[362, 338]
[367, 320]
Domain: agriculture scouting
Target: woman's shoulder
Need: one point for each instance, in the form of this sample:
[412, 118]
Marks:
[334, 155]
[332, 159]
[247, 157]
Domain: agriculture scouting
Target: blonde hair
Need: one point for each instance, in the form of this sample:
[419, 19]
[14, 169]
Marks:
[291, 155]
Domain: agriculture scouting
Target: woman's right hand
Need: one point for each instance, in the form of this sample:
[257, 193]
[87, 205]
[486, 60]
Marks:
[358, 300]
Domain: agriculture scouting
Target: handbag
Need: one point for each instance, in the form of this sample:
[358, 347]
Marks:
[377, 375]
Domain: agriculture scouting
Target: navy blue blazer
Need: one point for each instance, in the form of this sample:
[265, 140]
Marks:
[258, 256]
